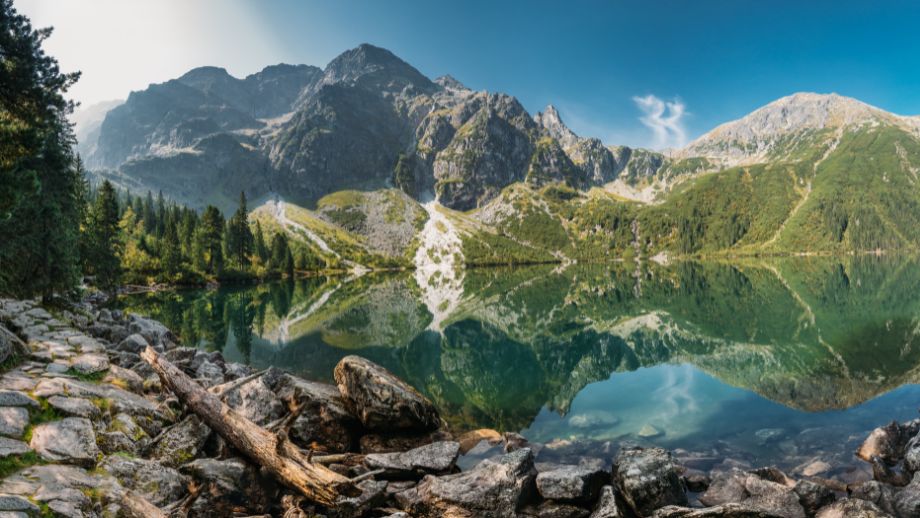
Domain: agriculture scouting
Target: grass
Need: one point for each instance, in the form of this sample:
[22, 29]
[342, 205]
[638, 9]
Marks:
[14, 463]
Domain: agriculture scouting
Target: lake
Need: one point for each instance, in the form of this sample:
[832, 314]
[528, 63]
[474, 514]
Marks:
[781, 361]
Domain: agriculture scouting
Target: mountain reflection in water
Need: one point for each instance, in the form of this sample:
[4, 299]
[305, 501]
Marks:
[775, 361]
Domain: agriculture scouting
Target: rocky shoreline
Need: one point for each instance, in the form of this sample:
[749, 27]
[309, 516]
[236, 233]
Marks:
[88, 428]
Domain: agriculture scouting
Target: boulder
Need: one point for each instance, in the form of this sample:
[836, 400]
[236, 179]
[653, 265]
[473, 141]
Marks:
[608, 505]
[13, 421]
[323, 424]
[157, 483]
[434, 458]
[469, 440]
[255, 400]
[852, 508]
[888, 442]
[90, 363]
[493, 489]
[718, 511]
[181, 443]
[380, 400]
[75, 406]
[70, 440]
[10, 344]
[133, 344]
[124, 378]
[572, 483]
[16, 398]
[907, 500]
[813, 496]
[389, 443]
[12, 447]
[548, 509]
[154, 332]
[648, 479]
[227, 485]
[873, 491]
[766, 490]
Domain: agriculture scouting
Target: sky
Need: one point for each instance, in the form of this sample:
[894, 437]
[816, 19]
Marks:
[642, 73]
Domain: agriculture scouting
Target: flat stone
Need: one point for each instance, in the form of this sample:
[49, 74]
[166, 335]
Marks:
[90, 363]
[86, 344]
[74, 406]
[13, 421]
[122, 400]
[16, 398]
[12, 447]
[57, 368]
[16, 503]
[17, 380]
[437, 457]
[70, 440]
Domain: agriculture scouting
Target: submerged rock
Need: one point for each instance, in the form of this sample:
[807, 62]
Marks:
[852, 508]
[380, 400]
[648, 479]
[493, 489]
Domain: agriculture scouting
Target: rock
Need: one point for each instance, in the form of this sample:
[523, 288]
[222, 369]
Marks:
[593, 419]
[12, 503]
[154, 332]
[515, 441]
[157, 483]
[380, 400]
[133, 344]
[13, 421]
[608, 505]
[127, 425]
[121, 400]
[116, 442]
[852, 508]
[492, 489]
[554, 510]
[255, 400]
[469, 440]
[323, 424]
[125, 379]
[648, 431]
[873, 491]
[572, 483]
[435, 458]
[90, 363]
[813, 496]
[754, 490]
[765, 435]
[816, 468]
[719, 511]
[10, 344]
[377, 443]
[12, 447]
[16, 398]
[696, 480]
[181, 443]
[70, 440]
[648, 478]
[74, 406]
[907, 500]
[888, 442]
[209, 374]
[227, 485]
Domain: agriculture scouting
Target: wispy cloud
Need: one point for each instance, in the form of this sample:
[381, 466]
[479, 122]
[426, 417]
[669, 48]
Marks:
[665, 119]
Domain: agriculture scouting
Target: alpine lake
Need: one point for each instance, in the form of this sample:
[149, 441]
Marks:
[788, 362]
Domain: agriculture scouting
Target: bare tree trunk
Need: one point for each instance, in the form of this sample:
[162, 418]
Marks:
[276, 454]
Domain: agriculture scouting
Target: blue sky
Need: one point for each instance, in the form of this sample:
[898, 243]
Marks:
[714, 60]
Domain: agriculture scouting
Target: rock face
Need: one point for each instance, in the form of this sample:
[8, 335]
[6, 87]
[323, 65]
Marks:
[493, 489]
[380, 400]
[649, 479]
[367, 120]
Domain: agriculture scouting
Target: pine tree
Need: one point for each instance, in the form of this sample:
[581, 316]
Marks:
[161, 215]
[102, 238]
[39, 183]
[209, 241]
[172, 250]
[289, 264]
[239, 236]
[260, 247]
[149, 215]
[278, 252]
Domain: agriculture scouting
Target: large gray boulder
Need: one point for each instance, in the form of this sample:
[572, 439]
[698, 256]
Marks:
[228, 485]
[181, 443]
[852, 508]
[70, 440]
[572, 483]
[648, 479]
[157, 483]
[154, 332]
[608, 505]
[10, 344]
[493, 489]
[434, 458]
[756, 490]
[380, 400]
[324, 423]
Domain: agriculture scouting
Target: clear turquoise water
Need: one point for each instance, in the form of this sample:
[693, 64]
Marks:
[777, 362]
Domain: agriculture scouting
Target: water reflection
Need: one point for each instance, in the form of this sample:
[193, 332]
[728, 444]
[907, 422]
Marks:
[696, 351]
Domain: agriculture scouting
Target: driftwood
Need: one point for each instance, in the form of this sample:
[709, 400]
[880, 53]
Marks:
[134, 505]
[275, 453]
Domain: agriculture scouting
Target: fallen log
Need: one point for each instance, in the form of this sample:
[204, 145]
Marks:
[275, 453]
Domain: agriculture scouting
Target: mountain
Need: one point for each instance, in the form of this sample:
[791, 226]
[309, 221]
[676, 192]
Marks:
[368, 120]
[87, 120]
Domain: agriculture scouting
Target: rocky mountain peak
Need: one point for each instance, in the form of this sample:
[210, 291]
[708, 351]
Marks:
[550, 120]
[450, 82]
[376, 66]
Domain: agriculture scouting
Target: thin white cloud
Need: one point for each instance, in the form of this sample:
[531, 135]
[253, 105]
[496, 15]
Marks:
[665, 119]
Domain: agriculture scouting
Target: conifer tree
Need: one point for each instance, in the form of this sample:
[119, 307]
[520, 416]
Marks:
[209, 238]
[260, 248]
[102, 238]
[239, 236]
